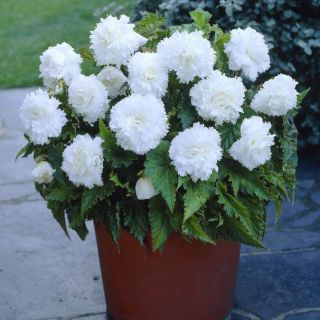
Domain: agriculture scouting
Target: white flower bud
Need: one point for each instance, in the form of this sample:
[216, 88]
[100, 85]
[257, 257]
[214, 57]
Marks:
[145, 189]
[43, 172]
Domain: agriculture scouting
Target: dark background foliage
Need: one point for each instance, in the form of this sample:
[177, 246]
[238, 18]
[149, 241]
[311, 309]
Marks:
[291, 29]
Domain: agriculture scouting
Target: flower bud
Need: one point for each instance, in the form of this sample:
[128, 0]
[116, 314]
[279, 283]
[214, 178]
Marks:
[145, 189]
[43, 172]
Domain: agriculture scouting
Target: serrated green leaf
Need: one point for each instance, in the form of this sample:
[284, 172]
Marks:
[160, 224]
[135, 219]
[197, 194]
[62, 193]
[113, 224]
[150, 24]
[235, 208]
[93, 196]
[112, 152]
[201, 19]
[76, 222]
[163, 175]
[220, 39]
[229, 134]
[58, 212]
[192, 228]
[235, 231]
[245, 180]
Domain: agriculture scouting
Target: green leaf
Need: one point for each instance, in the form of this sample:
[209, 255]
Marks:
[235, 208]
[112, 152]
[159, 221]
[113, 223]
[245, 180]
[229, 134]
[220, 39]
[135, 219]
[55, 159]
[58, 209]
[163, 175]
[302, 95]
[202, 20]
[175, 220]
[76, 222]
[186, 113]
[150, 24]
[235, 231]
[86, 54]
[26, 150]
[278, 209]
[62, 193]
[197, 194]
[93, 196]
[116, 180]
[192, 228]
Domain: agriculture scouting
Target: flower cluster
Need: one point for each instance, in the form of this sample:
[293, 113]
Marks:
[166, 117]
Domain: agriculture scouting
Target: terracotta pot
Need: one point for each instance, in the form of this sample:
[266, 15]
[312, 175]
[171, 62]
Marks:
[187, 281]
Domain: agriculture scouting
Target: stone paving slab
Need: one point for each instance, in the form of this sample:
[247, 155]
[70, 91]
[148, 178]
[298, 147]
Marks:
[45, 276]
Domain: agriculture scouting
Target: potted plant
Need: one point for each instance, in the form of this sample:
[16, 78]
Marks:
[171, 149]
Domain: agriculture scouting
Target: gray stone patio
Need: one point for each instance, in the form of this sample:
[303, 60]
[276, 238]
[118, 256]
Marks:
[45, 276]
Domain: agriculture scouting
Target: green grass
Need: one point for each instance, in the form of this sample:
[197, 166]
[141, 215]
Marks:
[28, 27]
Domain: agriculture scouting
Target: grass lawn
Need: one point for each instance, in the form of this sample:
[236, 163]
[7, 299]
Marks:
[28, 27]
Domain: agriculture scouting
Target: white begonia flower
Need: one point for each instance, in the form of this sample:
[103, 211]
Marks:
[144, 189]
[139, 122]
[114, 40]
[188, 54]
[113, 79]
[88, 97]
[60, 62]
[254, 147]
[247, 51]
[218, 98]
[277, 96]
[41, 117]
[83, 161]
[196, 151]
[43, 172]
[147, 75]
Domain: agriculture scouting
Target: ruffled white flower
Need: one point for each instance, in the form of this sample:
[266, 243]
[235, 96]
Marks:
[218, 98]
[188, 54]
[114, 40]
[88, 97]
[144, 189]
[247, 51]
[254, 147]
[276, 97]
[83, 161]
[196, 151]
[113, 79]
[43, 172]
[59, 63]
[139, 122]
[147, 75]
[41, 117]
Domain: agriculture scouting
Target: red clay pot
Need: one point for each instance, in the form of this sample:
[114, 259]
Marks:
[187, 281]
